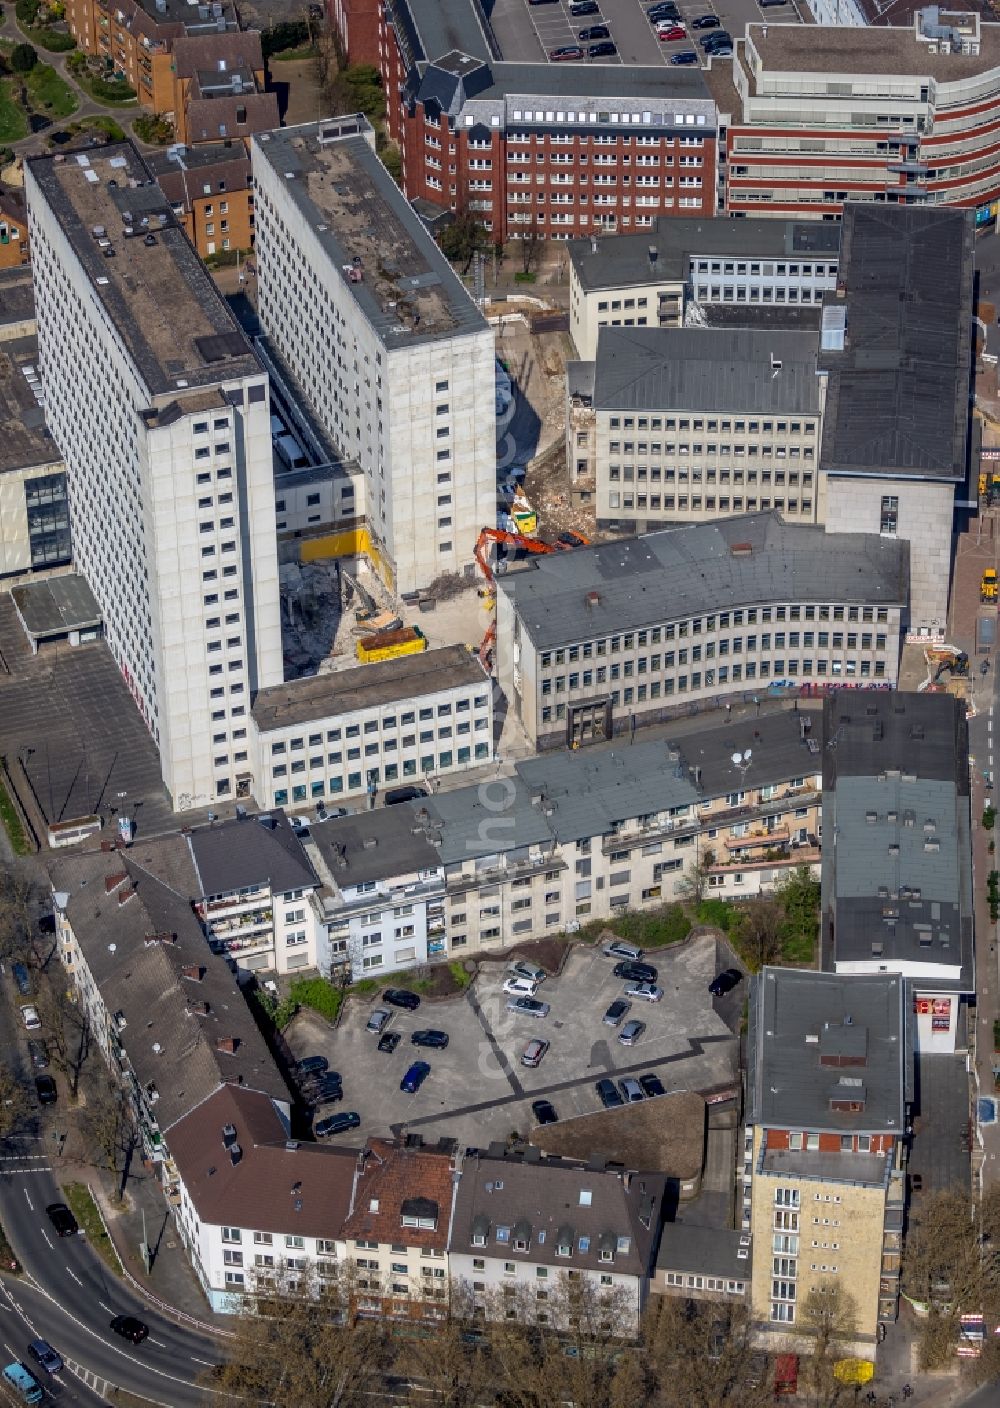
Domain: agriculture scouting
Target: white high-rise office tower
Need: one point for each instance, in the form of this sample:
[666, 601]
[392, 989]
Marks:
[392, 354]
[161, 411]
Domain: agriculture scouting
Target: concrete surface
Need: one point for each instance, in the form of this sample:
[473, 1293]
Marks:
[478, 1090]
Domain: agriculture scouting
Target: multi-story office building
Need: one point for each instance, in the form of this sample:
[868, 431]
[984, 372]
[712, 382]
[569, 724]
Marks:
[895, 352]
[522, 1227]
[652, 280]
[905, 115]
[694, 424]
[829, 1086]
[391, 353]
[897, 884]
[702, 1263]
[382, 895]
[604, 639]
[161, 412]
[34, 508]
[354, 732]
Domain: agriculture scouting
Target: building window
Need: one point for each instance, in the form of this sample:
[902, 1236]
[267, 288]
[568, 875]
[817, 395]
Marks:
[888, 522]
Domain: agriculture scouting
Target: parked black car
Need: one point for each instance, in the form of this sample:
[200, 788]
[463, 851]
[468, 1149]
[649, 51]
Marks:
[606, 49]
[430, 1037]
[544, 1112]
[651, 1084]
[388, 1041]
[610, 1095]
[401, 997]
[45, 1087]
[725, 981]
[312, 1065]
[62, 1219]
[337, 1124]
[326, 1089]
[635, 972]
[38, 1055]
[595, 31]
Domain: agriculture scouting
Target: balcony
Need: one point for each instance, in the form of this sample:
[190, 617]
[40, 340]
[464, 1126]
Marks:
[233, 904]
[261, 944]
[796, 855]
[777, 836]
[241, 923]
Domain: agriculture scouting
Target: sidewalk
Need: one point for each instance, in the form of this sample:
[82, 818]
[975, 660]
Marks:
[171, 1282]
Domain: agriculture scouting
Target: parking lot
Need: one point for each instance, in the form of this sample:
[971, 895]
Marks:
[478, 1090]
[528, 33]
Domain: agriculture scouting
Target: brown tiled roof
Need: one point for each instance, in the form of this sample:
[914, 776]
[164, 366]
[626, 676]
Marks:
[183, 186]
[392, 1177]
[275, 1186]
[206, 51]
[211, 119]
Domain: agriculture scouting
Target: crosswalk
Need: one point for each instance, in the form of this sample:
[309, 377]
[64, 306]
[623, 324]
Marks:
[102, 1387]
[11, 1164]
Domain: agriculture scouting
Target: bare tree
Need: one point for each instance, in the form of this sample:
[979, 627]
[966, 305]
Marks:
[67, 1027]
[759, 931]
[14, 1104]
[950, 1264]
[829, 1315]
[702, 1355]
[305, 1347]
[16, 924]
[694, 883]
[530, 245]
[448, 1364]
[111, 1127]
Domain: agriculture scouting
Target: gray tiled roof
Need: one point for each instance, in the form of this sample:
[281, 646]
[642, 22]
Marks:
[898, 394]
[797, 1018]
[671, 574]
[557, 1201]
[699, 369]
[249, 851]
[136, 952]
[621, 260]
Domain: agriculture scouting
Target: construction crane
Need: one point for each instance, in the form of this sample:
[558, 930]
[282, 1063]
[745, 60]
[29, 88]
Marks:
[514, 540]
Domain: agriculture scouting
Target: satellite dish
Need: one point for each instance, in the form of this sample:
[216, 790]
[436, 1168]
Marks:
[737, 758]
[748, 755]
[112, 948]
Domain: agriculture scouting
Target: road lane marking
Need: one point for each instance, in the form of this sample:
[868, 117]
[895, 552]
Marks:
[75, 1276]
[46, 1236]
[28, 1197]
[159, 1343]
[105, 1307]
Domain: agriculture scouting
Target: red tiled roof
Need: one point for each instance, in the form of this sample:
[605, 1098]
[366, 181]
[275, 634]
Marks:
[394, 1176]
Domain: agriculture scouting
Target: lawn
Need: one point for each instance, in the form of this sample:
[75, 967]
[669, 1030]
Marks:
[304, 51]
[8, 814]
[81, 1202]
[13, 122]
[48, 92]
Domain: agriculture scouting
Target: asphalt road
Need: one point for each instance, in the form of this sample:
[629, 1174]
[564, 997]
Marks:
[68, 1296]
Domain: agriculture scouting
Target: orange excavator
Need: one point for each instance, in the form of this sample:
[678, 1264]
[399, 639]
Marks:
[514, 540]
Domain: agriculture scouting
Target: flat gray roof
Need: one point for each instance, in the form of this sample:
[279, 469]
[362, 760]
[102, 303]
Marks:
[708, 1251]
[17, 296]
[898, 391]
[898, 884]
[374, 845]
[315, 697]
[822, 1039]
[697, 369]
[56, 606]
[25, 440]
[160, 298]
[407, 291]
[845, 49]
[248, 851]
[621, 260]
[665, 576]
[579, 81]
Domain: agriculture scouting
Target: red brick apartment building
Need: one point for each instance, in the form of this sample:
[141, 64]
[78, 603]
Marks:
[554, 150]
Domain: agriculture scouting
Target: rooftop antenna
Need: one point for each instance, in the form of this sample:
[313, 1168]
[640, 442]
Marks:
[741, 761]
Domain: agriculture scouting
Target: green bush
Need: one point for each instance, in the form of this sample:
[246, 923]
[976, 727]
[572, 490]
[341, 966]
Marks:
[111, 92]
[461, 978]
[989, 818]
[27, 12]
[23, 58]
[319, 994]
[717, 913]
[56, 41]
[153, 129]
[290, 34]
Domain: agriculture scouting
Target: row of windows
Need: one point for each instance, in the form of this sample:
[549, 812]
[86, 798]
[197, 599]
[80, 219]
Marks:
[642, 473]
[667, 660]
[739, 427]
[375, 750]
[427, 764]
[373, 726]
[699, 625]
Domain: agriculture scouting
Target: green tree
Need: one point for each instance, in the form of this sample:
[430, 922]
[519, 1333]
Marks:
[27, 12]
[462, 239]
[23, 58]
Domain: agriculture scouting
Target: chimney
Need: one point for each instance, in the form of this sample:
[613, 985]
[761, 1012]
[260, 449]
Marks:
[593, 244]
[654, 254]
[193, 971]
[111, 882]
[592, 599]
[200, 1009]
[228, 1044]
[125, 895]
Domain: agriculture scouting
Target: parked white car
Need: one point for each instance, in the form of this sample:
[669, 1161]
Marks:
[520, 987]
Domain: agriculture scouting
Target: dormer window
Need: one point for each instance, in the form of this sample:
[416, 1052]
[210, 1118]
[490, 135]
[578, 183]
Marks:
[564, 1249]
